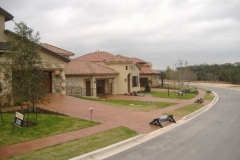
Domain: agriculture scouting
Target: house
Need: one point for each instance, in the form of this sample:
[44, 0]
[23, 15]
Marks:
[147, 74]
[101, 72]
[54, 62]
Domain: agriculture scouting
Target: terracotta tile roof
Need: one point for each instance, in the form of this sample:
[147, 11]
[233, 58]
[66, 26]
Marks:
[96, 56]
[7, 15]
[57, 50]
[119, 59]
[80, 67]
[147, 70]
[137, 60]
[66, 59]
[101, 63]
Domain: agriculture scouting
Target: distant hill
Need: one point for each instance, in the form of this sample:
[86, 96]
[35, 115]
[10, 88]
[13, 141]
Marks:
[158, 70]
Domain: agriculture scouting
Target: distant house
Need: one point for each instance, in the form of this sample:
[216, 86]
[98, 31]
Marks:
[236, 64]
[53, 62]
[147, 74]
[101, 72]
[227, 64]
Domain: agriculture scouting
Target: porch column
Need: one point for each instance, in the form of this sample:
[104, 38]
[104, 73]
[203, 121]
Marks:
[114, 86]
[53, 82]
[63, 83]
[94, 87]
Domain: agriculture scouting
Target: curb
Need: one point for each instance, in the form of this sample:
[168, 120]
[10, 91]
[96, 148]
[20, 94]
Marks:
[129, 143]
[111, 150]
[203, 109]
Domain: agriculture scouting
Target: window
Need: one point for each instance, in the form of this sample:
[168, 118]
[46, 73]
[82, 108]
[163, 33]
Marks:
[126, 67]
[134, 81]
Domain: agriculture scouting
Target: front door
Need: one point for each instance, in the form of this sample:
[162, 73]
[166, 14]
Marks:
[100, 86]
[48, 82]
[88, 88]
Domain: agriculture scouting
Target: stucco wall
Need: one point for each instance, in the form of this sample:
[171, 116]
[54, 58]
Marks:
[2, 27]
[46, 57]
[122, 78]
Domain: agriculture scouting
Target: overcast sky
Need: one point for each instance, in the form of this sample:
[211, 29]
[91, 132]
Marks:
[157, 31]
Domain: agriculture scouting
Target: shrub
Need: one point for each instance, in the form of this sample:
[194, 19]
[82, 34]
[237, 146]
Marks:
[147, 88]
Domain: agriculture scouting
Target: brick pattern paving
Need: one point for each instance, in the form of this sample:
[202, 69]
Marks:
[108, 115]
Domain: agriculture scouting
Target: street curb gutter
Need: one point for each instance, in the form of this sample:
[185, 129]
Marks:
[129, 143]
[203, 109]
[111, 150]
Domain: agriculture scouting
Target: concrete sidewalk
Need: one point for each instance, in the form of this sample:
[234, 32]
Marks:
[110, 117]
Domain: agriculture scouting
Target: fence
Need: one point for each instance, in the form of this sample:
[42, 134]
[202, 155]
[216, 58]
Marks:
[76, 90]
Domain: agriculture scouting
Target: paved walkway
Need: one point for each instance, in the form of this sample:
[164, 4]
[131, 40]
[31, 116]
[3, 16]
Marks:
[108, 115]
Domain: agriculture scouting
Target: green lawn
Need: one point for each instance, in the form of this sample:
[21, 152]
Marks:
[186, 110]
[48, 124]
[172, 94]
[144, 106]
[80, 146]
[208, 96]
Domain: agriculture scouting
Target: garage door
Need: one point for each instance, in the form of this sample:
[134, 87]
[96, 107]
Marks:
[143, 82]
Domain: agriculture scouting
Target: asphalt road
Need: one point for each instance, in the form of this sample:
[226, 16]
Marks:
[213, 135]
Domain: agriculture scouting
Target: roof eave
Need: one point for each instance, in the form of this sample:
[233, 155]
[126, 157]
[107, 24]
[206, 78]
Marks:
[149, 73]
[118, 62]
[92, 74]
[55, 54]
[7, 15]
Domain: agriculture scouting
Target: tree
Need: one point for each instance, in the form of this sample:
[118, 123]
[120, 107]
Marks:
[169, 73]
[180, 76]
[23, 66]
[162, 77]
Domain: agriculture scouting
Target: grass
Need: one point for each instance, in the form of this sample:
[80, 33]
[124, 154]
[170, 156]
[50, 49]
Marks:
[186, 110]
[144, 106]
[208, 96]
[80, 146]
[48, 124]
[172, 94]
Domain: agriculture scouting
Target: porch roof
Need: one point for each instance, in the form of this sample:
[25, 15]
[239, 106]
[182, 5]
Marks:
[81, 67]
[147, 70]
[57, 50]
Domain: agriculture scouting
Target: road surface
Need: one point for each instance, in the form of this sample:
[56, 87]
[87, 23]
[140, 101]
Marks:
[213, 135]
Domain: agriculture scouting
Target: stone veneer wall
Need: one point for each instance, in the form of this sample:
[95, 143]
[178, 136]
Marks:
[135, 72]
[74, 84]
[5, 94]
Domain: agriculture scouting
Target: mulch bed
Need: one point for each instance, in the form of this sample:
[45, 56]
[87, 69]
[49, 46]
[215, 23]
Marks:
[39, 111]
[26, 111]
